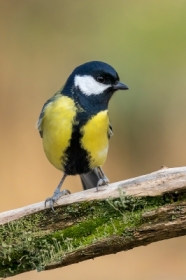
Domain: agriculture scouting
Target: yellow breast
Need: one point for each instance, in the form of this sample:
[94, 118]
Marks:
[57, 128]
[95, 138]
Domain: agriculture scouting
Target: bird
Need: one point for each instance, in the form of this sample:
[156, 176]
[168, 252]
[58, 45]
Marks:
[75, 126]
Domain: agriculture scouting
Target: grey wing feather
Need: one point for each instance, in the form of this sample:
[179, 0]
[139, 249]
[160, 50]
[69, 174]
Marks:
[39, 126]
[110, 131]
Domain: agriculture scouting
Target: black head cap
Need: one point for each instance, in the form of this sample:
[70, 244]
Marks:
[100, 71]
[97, 69]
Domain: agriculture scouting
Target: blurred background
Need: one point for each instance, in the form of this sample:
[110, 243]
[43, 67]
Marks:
[145, 41]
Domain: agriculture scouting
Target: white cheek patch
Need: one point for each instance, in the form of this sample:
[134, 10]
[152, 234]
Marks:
[88, 85]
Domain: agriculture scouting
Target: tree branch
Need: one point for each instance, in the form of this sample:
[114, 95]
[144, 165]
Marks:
[89, 224]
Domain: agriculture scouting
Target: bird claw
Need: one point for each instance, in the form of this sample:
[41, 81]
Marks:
[57, 194]
[102, 182]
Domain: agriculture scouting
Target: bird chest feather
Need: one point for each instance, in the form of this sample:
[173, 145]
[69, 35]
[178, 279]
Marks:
[95, 138]
[57, 128]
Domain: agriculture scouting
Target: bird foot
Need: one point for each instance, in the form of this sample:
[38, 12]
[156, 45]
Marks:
[102, 182]
[57, 194]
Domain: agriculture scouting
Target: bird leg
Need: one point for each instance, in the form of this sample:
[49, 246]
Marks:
[103, 179]
[57, 193]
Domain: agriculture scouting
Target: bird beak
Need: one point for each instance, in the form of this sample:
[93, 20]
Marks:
[120, 85]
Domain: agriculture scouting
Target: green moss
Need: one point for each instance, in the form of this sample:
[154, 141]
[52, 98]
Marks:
[34, 242]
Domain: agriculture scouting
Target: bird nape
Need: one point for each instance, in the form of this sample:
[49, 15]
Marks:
[75, 126]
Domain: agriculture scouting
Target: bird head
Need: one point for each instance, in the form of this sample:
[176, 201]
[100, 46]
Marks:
[93, 82]
[94, 78]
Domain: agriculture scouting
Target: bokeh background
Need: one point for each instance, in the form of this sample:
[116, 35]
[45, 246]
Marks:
[41, 43]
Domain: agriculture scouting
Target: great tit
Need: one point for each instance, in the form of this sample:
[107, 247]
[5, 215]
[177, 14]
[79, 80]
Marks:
[75, 126]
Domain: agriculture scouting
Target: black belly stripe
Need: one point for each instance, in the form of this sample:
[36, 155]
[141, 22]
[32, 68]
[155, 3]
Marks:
[76, 159]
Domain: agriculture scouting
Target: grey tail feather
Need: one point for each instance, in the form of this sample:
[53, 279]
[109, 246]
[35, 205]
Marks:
[90, 180]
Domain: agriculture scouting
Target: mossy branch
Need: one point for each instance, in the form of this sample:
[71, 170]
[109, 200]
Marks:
[89, 224]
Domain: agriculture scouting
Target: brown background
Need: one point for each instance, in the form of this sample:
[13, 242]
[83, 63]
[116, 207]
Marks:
[41, 43]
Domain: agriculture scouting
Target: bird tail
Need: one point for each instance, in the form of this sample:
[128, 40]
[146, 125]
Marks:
[90, 180]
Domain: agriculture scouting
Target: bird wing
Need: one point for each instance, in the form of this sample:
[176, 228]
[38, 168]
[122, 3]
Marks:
[110, 130]
[40, 120]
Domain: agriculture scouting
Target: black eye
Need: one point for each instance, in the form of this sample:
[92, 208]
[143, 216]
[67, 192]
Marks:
[100, 79]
